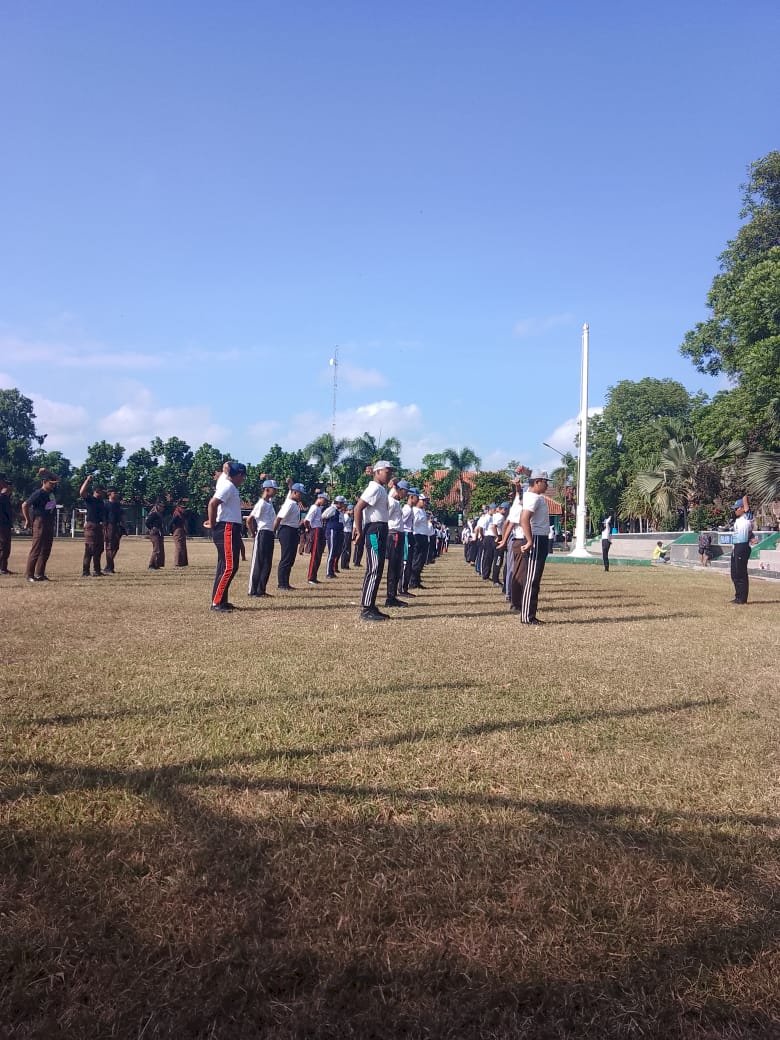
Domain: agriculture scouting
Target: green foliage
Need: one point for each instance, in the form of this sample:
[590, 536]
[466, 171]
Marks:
[56, 462]
[629, 434]
[707, 517]
[762, 469]
[490, 486]
[206, 461]
[18, 440]
[170, 479]
[281, 465]
[742, 336]
[104, 462]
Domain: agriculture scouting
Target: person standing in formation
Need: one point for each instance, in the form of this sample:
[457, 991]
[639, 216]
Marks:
[419, 539]
[40, 513]
[6, 523]
[93, 527]
[346, 550]
[499, 521]
[316, 532]
[155, 534]
[606, 541]
[179, 534]
[286, 525]
[333, 522]
[224, 518]
[371, 519]
[740, 550]
[407, 519]
[396, 541]
[260, 524]
[112, 528]
[531, 549]
[488, 543]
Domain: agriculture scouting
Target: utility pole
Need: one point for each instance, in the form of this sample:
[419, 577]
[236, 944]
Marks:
[579, 531]
[334, 364]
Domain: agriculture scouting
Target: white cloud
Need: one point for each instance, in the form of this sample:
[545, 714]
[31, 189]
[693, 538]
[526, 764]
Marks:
[539, 326]
[65, 425]
[563, 436]
[140, 419]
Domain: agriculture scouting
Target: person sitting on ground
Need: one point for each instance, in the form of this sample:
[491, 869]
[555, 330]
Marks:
[660, 553]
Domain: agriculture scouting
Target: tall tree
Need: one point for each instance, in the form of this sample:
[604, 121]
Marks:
[458, 463]
[104, 462]
[627, 437]
[139, 483]
[18, 439]
[206, 461]
[324, 454]
[174, 461]
[281, 465]
[742, 337]
[365, 450]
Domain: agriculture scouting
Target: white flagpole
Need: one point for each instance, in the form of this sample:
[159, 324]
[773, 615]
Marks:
[579, 531]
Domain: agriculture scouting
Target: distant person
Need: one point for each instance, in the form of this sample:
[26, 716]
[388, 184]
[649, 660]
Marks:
[260, 524]
[705, 548]
[40, 514]
[396, 541]
[225, 522]
[740, 550]
[606, 541]
[333, 523]
[346, 548]
[315, 529]
[94, 542]
[660, 553]
[179, 534]
[113, 528]
[155, 534]
[6, 523]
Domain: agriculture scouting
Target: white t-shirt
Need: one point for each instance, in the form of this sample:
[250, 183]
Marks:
[407, 515]
[314, 516]
[376, 510]
[536, 505]
[606, 530]
[498, 522]
[483, 522]
[289, 514]
[515, 510]
[264, 514]
[743, 529]
[229, 508]
[395, 513]
[419, 520]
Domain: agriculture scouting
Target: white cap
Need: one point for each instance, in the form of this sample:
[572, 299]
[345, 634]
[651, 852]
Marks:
[383, 464]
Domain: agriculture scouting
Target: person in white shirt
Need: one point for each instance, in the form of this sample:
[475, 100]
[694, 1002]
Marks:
[488, 543]
[316, 530]
[260, 523]
[370, 524]
[531, 549]
[346, 551]
[333, 525]
[740, 550]
[286, 525]
[407, 523]
[224, 519]
[511, 531]
[396, 540]
[606, 541]
[420, 536]
[498, 521]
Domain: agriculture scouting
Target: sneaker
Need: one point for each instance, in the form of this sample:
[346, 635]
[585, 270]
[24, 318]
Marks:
[533, 621]
[85, 574]
[98, 574]
[32, 579]
[395, 603]
[286, 588]
[42, 577]
[372, 614]
[312, 581]
[6, 572]
[109, 570]
[220, 608]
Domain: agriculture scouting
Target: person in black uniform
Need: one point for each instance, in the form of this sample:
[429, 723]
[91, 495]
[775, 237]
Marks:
[179, 534]
[112, 528]
[40, 513]
[93, 527]
[6, 520]
[154, 527]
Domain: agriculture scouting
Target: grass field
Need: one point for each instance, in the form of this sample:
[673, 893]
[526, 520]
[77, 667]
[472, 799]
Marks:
[285, 823]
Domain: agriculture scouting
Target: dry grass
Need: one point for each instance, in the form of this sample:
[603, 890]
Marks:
[284, 823]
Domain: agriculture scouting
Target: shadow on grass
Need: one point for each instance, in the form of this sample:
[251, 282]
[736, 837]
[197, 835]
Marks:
[222, 919]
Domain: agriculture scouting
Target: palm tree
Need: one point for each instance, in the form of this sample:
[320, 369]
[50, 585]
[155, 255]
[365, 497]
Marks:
[458, 463]
[685, 475]
[366, 450]
[762, 471]
[324, 453]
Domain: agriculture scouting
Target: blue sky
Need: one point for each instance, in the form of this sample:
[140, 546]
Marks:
[201, 201]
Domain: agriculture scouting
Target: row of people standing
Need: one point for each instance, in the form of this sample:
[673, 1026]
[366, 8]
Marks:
[516, 534]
